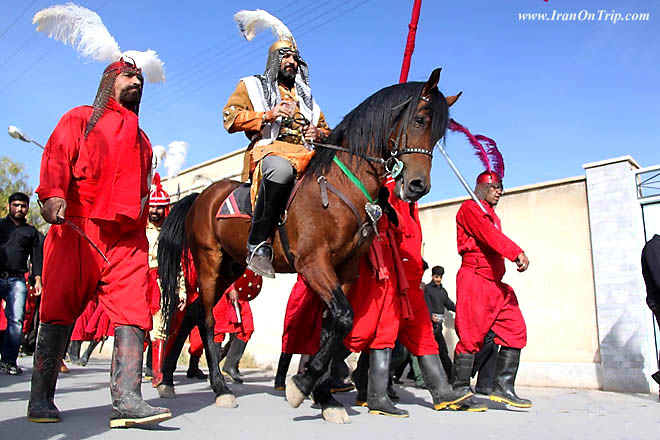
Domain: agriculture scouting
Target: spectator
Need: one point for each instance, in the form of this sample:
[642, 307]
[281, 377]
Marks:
[437, 300]
[18, 241]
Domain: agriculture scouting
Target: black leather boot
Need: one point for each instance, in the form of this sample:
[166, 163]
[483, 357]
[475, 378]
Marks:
[193, 369]
[461, 383]
[508, 360]
[361, 378]
[234, 354]
[436, 382]
[51, 343]
[128, 407]
[282, 369]
[270, 203]
[379, 375]
[74, 351]
[84, 359]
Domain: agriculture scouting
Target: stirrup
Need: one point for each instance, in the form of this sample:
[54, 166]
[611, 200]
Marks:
[264, 265]
[256, 248]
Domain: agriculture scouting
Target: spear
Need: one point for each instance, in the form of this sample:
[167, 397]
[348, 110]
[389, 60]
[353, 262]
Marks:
[410, 43]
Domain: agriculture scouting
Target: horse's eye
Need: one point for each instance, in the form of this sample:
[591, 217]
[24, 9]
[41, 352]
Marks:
[420, 121]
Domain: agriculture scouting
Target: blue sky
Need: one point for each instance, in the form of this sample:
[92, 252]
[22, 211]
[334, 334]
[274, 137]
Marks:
[553, 94]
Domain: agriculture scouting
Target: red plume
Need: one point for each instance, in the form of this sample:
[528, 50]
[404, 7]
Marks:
[480, 151]
[496, 159]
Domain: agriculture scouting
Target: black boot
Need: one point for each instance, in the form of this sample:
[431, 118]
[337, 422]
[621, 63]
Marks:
[282, 369]
[74, 351]
[128, 407]
[361, 378]
[51, 343]
[436, 382]
[193, 369]
[508, 360]
[270, 203]
[84, 359]
[230, 367]
[379, 375]
[461, 383]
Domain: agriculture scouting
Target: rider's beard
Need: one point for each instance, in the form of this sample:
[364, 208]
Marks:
[287, 76]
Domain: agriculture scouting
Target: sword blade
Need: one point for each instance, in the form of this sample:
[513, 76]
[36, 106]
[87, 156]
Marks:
[83, 235]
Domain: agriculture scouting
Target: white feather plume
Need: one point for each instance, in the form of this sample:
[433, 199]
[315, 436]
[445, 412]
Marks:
[176, 155]
[159, 153]
[250, 23]
[151, 65]
[81, 28]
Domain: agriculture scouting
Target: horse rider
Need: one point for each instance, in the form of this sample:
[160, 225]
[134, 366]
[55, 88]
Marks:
[483, 301]
[278, 114]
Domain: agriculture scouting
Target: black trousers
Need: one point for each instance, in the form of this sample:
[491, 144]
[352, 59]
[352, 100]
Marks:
[442, 348]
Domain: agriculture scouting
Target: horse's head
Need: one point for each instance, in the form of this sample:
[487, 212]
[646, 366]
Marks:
[422, 122]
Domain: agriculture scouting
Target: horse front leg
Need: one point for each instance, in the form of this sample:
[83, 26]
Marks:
[336, 325]
[209, 265]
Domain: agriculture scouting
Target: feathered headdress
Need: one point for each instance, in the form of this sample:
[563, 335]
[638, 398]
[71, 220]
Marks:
[485, 149]
[250, 23]
[85, 32]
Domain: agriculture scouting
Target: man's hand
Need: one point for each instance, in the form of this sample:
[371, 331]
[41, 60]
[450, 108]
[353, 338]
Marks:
[38, 287]
[312, 133]
[233, 295]
[522, 262]
[285, 109]
[53, 210]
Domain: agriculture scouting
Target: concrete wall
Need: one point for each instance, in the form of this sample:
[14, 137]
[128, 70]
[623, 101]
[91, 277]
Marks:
[625, 323]
[556, 294]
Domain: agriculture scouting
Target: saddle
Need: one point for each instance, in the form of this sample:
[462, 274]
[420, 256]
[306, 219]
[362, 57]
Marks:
[237, 204]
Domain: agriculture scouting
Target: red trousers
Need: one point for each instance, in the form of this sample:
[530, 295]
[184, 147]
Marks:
[74, 273]
[376, 308]
[416, 333]
[482, 305]
[302, 322]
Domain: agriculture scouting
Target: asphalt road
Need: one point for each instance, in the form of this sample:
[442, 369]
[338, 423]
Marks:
[83, 398]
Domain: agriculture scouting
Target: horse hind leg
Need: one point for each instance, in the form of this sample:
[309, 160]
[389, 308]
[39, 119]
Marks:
[209, 277]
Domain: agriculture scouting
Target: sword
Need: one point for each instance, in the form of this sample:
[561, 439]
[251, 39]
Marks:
[83, 235]
[238, 312]
[80, 232]
[460, 176]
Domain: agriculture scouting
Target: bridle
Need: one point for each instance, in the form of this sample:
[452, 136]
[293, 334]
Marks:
[392, 164]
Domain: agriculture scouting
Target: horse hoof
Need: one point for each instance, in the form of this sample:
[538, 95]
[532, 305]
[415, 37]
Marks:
[226, 401]
[166, 391]
[293, 394]
[338, 416]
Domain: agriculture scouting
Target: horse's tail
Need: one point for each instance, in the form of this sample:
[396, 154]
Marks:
[171, 245]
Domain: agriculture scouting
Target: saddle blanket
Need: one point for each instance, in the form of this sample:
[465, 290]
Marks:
[237, 204]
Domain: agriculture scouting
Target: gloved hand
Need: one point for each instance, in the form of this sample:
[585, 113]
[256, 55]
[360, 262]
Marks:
[53, 210]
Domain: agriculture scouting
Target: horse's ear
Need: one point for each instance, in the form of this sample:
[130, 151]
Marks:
[432, 82]
[451, 100]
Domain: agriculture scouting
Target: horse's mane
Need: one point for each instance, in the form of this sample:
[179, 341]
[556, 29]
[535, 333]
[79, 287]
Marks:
[367, 128]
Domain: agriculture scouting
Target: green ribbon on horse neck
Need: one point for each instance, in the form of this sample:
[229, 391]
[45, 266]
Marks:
[353, 179]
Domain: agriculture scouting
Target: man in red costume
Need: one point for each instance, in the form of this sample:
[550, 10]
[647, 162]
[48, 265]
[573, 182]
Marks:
[95, 178]
[483, 301]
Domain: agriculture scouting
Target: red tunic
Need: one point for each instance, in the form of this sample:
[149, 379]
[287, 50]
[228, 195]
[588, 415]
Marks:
[483, 301]
[416, 332]
[105, 181]
[374, 297]
[302, 321]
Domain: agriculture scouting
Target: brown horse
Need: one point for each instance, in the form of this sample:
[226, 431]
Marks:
[327, 227]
